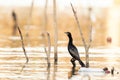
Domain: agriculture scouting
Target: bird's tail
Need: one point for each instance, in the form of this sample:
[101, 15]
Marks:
[81, 63]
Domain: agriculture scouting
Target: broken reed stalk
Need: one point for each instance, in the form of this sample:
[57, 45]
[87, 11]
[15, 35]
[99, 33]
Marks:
[27, 59]
[16, 25]
[55, 32]
[47, 51]
[83, 39]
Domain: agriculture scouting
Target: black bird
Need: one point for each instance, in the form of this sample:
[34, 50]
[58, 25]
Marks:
[73, 51]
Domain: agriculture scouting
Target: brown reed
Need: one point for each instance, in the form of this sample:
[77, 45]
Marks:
[86, 46]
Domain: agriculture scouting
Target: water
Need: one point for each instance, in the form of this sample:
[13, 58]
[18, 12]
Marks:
[12, 60]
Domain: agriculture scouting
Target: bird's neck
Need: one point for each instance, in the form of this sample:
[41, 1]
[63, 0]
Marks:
[70, 39]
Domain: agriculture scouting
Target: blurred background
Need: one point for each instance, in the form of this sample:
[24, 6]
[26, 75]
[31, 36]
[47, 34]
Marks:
[34, 17]
[102, 14]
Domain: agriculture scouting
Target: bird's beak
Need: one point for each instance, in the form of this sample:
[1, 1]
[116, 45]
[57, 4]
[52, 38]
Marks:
[65, 32]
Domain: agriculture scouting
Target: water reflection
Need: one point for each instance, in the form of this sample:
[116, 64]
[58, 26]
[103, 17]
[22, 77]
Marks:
[54, 72]
[81, 77]
[11, 60]
[73, 70]
[85, 77]
[48, 72]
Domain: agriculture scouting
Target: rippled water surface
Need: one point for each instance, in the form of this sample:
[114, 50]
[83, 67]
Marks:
[12, 60]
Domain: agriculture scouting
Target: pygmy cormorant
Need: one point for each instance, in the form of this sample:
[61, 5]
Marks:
[73, 51]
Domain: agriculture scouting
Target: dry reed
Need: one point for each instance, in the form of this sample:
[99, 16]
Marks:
[55, 32]
[47, 51]
[86, 46]
[23, 47]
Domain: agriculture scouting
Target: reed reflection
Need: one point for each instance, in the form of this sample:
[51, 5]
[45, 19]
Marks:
[48, 73]
[47, 51]
[54, 72]
[73, 70]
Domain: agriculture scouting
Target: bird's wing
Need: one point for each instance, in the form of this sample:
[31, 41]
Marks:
[74, 52]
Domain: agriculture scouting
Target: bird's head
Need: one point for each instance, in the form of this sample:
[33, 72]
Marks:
[69, 36]
[68, 33]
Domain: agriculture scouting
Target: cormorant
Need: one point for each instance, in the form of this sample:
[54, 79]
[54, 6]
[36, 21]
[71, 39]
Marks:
[73, 51]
